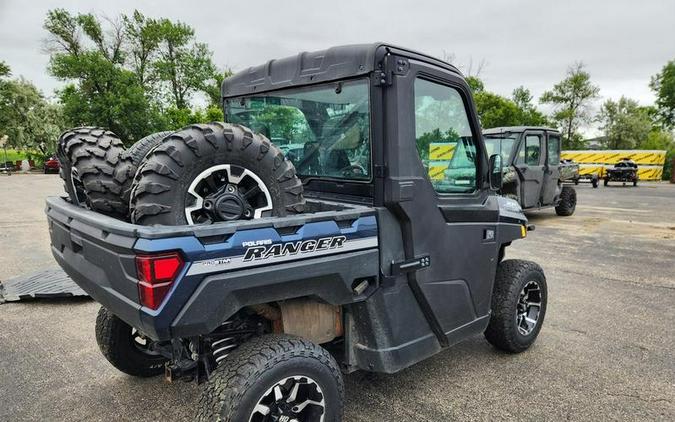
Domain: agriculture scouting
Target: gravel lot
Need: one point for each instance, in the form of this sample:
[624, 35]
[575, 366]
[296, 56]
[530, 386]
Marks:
[606, 351]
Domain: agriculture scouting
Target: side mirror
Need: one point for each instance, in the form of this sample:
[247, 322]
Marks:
[495, 176]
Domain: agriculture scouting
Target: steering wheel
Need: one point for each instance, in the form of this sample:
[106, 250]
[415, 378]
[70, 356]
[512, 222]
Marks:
[353, 169]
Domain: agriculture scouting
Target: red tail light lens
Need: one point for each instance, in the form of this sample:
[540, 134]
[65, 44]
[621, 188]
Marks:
[156, 274]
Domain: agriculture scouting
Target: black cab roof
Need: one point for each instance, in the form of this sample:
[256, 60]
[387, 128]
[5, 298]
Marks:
[308, 68]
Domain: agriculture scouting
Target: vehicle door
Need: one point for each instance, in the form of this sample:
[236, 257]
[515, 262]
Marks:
[437, 187]
[530, 165]
[552, 169]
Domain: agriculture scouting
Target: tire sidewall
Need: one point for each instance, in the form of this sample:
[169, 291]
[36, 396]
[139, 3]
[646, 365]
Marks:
[295, 366]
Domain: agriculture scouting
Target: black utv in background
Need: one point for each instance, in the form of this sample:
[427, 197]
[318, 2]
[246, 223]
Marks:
[396, 256]
[533, 173]
[625, 171]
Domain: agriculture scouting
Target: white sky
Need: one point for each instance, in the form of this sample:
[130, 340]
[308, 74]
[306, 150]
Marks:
[522, 42]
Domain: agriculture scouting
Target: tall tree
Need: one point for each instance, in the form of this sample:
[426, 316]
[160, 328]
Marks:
[101, 91]
[212, 88]
[571, 99]
[184, 65]
[4, 69]
[143, 38]
[530, 116]
[126, 73]
[663, 85]
[625, 124]
[495, 110]
[30, 122]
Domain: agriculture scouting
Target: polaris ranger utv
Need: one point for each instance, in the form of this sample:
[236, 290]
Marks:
[534, 174]
[388, 265]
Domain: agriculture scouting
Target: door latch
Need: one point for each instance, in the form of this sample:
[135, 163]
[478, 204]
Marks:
[418, 263]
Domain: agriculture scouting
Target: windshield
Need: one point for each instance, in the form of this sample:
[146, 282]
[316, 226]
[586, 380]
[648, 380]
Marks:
[324, 130]
[500, 144]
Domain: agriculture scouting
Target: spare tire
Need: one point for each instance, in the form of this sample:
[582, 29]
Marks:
[214, 172]
[95, 170]
[142, 147]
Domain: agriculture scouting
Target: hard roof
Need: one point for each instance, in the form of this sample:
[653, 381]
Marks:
[307, 68]
[516, 129]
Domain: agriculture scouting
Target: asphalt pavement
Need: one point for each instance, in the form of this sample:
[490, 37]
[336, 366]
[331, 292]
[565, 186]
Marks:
[606, 351]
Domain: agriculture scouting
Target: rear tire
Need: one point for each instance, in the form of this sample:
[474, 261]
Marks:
[568, 202]
[262, 373]
[116, 340]
[94, 169]
[606, 182]
[506, 330]
[635, 182]
[160, 190]
[594, 182]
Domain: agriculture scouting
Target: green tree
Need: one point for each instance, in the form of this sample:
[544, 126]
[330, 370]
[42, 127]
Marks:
[495, 110]
[212, 88]
[30, 122]
[571, 99]
[661, 140]
[143, 38]
[129, 73]
[475, 84]
[663, 85]
[625, 124]
[4, 69]
[529, 115]
[102, 92]
[184, 65]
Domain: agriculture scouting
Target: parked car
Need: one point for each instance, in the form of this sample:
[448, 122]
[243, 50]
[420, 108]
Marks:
[52, 165]
[7, 167]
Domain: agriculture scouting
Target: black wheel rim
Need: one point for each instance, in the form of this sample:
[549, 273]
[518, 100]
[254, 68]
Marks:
[224, 193]
[293, 399]
[528, 308]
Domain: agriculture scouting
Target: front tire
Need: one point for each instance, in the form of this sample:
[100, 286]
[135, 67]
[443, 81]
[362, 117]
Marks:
[568, 202]
[274, 377]
[518, 306]
[122, 347]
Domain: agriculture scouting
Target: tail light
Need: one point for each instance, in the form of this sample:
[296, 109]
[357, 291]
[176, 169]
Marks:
[156, 275]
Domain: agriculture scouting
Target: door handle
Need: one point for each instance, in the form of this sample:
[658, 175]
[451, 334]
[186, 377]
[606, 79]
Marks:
[523, 169]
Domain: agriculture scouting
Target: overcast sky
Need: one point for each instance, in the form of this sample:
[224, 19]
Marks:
[521, 42]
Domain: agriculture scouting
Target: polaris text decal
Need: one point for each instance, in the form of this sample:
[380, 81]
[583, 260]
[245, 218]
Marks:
[293, 248]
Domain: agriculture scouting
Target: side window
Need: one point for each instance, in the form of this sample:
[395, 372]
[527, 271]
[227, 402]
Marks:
[444, 140]
[532, 150]
[553, 150]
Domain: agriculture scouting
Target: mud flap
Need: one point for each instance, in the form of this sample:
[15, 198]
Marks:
[51, 283]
